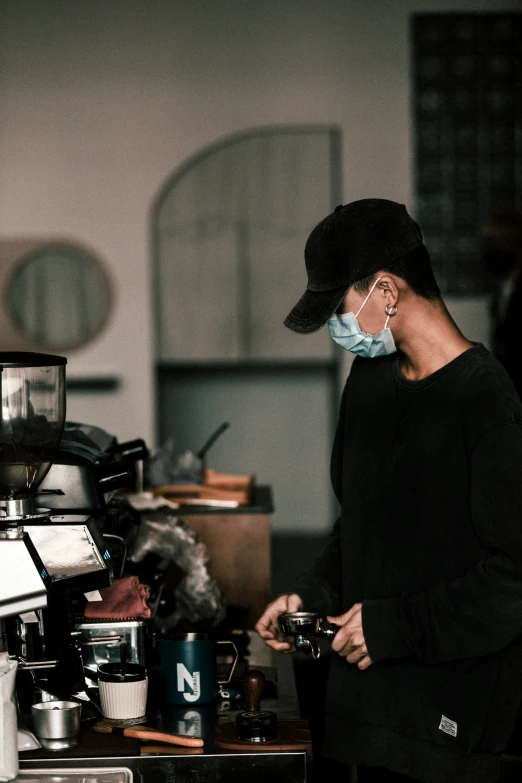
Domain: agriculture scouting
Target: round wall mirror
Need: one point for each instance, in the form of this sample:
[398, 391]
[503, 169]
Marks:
[58, 296]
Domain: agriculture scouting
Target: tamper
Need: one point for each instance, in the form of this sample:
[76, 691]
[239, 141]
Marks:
[255, 725]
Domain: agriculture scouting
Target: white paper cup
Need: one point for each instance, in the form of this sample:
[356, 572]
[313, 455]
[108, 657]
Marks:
[123, 699]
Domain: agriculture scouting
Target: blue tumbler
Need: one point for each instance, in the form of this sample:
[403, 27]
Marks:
[188, 663]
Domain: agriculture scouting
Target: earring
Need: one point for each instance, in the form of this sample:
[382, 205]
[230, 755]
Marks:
[391, 310]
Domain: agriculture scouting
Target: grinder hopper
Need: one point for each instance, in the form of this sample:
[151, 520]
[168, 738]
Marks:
[31, 424]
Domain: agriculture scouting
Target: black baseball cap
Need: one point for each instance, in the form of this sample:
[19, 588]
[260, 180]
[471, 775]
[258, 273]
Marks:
[354, 242]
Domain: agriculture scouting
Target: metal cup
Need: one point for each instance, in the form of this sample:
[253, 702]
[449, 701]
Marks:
[57, 724]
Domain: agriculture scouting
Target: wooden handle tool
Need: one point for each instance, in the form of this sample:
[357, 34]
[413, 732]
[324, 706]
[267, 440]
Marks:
[169, 750]
[253, 686]
[147, 733]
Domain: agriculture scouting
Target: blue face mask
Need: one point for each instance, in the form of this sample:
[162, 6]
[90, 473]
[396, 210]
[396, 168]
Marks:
[345, 331]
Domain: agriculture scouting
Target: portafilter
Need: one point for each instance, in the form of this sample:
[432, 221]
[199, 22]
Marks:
[305, 627]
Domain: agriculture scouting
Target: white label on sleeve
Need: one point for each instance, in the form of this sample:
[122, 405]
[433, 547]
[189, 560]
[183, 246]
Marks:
[448, 726]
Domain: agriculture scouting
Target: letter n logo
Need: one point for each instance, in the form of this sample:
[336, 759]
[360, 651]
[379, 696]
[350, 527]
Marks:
[192, 680]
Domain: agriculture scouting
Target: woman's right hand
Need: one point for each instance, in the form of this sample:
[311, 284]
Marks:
[268, 627]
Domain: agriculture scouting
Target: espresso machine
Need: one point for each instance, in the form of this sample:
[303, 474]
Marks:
[47, 558]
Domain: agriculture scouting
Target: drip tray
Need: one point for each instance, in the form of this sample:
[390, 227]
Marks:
[84, 775]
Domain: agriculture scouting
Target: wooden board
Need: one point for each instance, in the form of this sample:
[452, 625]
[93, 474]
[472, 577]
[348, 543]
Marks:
[293, 735]
[180, 493]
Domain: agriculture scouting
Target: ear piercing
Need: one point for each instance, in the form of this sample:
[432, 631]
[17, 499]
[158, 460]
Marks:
[390, 310]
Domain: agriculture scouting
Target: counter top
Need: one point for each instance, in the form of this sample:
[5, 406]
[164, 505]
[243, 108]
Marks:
[255, 763]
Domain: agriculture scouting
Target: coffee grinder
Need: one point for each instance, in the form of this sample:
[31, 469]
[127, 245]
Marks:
[45, 559]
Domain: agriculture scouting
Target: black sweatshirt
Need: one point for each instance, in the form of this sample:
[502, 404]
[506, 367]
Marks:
[429, 477]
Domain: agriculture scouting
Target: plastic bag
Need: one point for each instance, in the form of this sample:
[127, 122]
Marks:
[198, 596]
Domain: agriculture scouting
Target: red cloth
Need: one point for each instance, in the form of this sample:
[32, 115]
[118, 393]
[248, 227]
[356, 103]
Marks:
[124, 598]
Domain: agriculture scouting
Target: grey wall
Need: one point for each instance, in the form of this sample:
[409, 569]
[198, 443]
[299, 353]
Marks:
[294, 459]
[102, 99]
